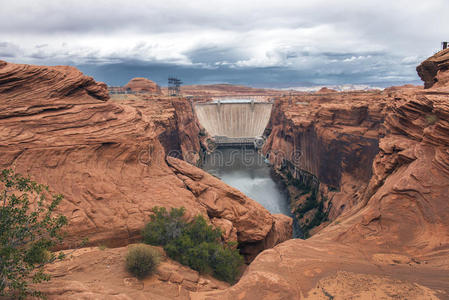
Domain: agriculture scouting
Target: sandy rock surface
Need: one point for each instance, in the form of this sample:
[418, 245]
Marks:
[97, 273]
[143, 85]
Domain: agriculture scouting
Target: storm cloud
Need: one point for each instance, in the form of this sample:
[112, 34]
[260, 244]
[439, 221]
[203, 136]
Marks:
[261, 43]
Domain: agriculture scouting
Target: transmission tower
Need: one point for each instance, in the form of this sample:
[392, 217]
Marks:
[174, 86]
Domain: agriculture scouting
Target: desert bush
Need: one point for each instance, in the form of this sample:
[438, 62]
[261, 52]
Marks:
[164, 226]
[29, 228]
[195, 244]
[142, 260]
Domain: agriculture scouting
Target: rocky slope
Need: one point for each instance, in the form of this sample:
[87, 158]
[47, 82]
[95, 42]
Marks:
[109, 158]
[143, 85]
[73, 278]
[434, 70]
[394, 240]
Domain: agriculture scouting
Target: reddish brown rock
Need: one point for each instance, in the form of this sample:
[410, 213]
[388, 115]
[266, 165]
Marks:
[408, 189]
[108, 158]
[92, 273]
[23, 88]
[434, 71]
[281, 231]
[325, 90]
[314, 269]
[251, 220]
[143, 85]
[393, 242]
[330, 138]
[228, 232]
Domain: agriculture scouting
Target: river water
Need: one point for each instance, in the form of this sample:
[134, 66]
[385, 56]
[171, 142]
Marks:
[248, 171]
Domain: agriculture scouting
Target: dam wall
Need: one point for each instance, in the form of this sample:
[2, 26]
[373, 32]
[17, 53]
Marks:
[234, 119]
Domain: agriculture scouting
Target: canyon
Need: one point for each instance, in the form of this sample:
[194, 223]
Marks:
[367, 172]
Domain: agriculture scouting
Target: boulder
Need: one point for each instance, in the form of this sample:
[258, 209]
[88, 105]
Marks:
[143, 85]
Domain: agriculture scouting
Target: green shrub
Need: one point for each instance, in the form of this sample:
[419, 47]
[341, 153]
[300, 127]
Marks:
[142, 260]
[29, 227]
[164, 226]
[37, 255]
[195, 244]
[226, 263]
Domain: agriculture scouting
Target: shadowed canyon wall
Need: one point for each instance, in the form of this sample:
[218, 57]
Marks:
[324, 144]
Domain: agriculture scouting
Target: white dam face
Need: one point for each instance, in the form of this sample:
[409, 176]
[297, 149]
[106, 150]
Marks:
[234, 119]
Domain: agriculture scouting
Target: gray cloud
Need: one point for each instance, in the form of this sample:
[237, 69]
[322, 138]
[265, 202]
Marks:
[317, 41]
[9, 50]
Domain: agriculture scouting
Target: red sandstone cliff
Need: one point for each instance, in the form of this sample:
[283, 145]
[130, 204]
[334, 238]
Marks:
[434, 71]
[109, 158]
[394, 240]
[332, 137]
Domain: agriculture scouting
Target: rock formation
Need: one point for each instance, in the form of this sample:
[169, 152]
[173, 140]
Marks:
[381, 160]
[143, 85]
[434, 71]
[98, 273]
[325, 90]
[332, 137]
[393, 241]
[109, 158]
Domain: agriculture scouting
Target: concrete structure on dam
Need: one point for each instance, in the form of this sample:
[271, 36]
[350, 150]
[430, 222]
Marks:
[234, 121]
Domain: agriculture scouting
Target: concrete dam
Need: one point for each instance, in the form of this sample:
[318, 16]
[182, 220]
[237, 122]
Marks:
[234, 121]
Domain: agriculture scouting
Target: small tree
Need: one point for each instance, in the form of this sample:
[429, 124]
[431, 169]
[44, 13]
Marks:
[29, 228]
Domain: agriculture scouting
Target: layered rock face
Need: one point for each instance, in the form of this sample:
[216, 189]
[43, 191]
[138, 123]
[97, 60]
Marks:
[143, 85]
[108, 158]
[434, 71]
[327, 137]
[394, 241]
[408, 192]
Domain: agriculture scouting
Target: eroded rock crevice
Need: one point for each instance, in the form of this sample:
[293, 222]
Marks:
[323, 145]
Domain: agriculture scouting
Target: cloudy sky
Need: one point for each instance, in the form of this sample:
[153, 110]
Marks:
[259, 43]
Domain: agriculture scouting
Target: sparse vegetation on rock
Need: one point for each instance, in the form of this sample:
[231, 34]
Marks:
[195, 244]
[29, 228]
[142, 260]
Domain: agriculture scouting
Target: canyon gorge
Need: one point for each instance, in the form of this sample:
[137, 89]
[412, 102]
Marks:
[367, 175]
